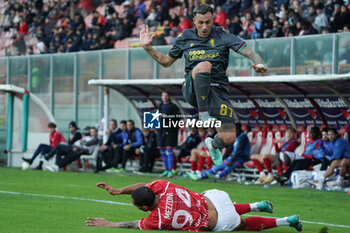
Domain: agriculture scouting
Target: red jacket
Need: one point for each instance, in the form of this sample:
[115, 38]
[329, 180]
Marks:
[23, 28]
[221, 19]
[56, 138]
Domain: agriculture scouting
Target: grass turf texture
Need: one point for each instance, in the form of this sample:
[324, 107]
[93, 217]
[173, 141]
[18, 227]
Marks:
[24, 213]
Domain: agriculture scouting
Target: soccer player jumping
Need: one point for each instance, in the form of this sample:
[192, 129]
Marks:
[206, 51]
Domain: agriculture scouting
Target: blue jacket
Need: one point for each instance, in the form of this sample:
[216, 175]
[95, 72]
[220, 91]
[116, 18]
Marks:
[135, 138]
[340, 149]
[241, 147]
[121, 139]
[310, 148]
[323, 150]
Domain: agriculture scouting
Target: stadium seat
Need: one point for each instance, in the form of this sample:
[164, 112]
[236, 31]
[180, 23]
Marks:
[86, 158]
[245, 128]
[301, 147]
[322, 127]
[283, 129]
[255, 147]
[277, 137]
[344, 132]
[266, 149]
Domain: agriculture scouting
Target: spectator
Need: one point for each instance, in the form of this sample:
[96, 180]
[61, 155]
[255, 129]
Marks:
[190, 143]
[172, 37]
[276, 30]
[308, 158]
[220, 17]
[23, 27]
[149, 151]
[85, 146]
[106, 150]
[97, 18]
[151, 19]
[133, 144]
[56, 137]
[239, 156]
[174, 21]
[321, 19]
[168, 136]
[120, 140]
[307, 29]
[341, 19]
[235, 26]
[30, 50]
[40, 46]
[185, 23]
[339, 157]
[62, 149]
[75, 133]
[283, 154]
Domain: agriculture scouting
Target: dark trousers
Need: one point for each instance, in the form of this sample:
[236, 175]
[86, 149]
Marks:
[147, 159]
[41, 149]
[59, 150]
[302, 164]
[325, 164]
[107, 157]
[125, 156]
[63, 160]
[117, 156]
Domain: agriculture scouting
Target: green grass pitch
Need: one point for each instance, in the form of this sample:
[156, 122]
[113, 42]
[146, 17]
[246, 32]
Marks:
[22, 212]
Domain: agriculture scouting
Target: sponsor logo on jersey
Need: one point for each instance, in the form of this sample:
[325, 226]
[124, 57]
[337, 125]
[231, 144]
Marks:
[212, 42]
[201, 55]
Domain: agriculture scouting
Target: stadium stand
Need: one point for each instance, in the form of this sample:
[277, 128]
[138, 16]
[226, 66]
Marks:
[116, 23]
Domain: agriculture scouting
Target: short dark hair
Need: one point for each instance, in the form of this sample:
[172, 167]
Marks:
[334, 130]
[316, 131]
[143, 196]
[202, 9]
[114, 120]
[122, 122]
[131, 121]
[325, 129]
[52, 125]
[73, 124]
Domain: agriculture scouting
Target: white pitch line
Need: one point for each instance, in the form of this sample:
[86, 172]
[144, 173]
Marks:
[63, 197]
[128, 204]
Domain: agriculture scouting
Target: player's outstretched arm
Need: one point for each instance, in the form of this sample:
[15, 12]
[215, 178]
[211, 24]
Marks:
[255, 58]
[101, 222]
[145, 41]
[126, 190]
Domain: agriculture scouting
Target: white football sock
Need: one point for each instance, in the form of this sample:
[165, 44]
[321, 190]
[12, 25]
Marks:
[262, 174]
[282, 221]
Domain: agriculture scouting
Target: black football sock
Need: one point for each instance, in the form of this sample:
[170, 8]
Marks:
[217, 142]
[202, 87]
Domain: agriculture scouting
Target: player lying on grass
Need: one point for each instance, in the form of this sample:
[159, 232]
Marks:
[174, 207]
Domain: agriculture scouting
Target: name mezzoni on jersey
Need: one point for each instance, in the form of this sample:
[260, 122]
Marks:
[201, 54]
[169, 205]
